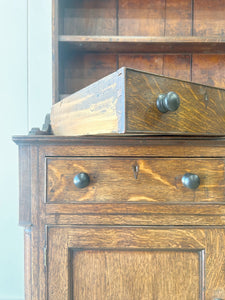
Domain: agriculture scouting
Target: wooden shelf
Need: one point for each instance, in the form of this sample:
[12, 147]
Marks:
[142, 44]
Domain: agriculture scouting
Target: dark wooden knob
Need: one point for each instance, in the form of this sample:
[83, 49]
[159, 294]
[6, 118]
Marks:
[191, 181]
[168, 102]
[81, 180]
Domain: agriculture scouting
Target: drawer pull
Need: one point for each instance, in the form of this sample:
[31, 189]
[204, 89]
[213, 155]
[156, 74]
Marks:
[191, 181]
[168, 102]
[81, 180]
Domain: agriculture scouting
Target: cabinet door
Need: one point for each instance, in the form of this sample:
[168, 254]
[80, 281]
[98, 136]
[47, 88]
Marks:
[135, 263]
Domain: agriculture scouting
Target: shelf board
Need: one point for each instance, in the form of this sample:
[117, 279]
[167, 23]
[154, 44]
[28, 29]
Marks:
[136, 44]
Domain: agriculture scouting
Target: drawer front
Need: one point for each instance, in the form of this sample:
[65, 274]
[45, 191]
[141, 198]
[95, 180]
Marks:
[133, 180]
[201, 110]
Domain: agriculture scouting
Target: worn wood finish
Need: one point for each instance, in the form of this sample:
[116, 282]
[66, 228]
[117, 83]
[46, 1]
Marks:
[86, 17]
[99, 108]
[131, 27]
[115, 180]
[209, 18]
[201, 108]
[68, 217]
[143, 44]
[135, 274]
[178, 19]
[84, 69]
[141, 18]
[99, 116]
[195, 252]
[79, 70]
[209, 69]
[184, 236]
[125, 145]
[145, 62]
[93, 250]
[177, 66]
[203, 209]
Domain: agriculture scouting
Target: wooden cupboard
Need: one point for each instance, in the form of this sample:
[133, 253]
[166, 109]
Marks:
[130, 233]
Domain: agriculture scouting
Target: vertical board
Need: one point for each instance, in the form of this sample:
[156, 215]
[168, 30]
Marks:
[87, 17]
[209, 17]
[209, 69]
[81, 70]
[177, 66]
[178, 21]
[148, 63]
[143, 18]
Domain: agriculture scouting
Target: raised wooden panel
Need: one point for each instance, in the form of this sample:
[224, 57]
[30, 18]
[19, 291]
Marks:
[132, 275]
[209, 17]
[144, 18]
[113, 180]
[162, 263]
[87, 17]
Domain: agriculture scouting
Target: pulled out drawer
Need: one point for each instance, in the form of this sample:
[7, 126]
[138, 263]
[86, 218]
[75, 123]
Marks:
[135, 102]
[134, 180]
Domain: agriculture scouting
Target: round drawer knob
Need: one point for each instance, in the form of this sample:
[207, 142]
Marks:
[81, 180]
[168, 102]
[191, 181]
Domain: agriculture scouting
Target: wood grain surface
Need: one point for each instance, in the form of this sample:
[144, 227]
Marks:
[124, 238]
[201, 110]
[78, 69]
[113, 180]
[141, 18]
[131, 275]
[146, 263]
[96, 17]
[98, 108]
[81, 69]
[178, 18]
[187, 237]
[208, 18]
[136, 27]
[209, 69]
[143, 44]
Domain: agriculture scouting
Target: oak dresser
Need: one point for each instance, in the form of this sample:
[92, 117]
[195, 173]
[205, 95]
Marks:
[130, 217]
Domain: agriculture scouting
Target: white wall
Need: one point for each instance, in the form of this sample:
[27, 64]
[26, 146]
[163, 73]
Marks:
[23, 105]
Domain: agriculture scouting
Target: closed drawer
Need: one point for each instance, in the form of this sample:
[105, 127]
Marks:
[128, 101]
[130, 180]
